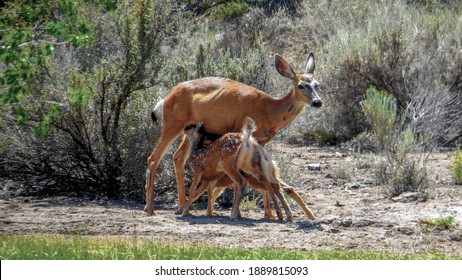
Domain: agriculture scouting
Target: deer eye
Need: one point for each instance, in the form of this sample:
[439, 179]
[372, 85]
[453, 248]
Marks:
[300, 86]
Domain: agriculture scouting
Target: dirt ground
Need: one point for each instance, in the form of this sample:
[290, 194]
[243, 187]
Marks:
[352, 212]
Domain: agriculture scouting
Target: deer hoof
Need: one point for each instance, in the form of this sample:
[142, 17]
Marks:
[149, 210]
[270, 216]
[234, 217]
[185, 213]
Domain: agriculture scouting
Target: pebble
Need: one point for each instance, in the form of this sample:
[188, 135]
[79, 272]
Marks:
[410, 197]
[314, 166]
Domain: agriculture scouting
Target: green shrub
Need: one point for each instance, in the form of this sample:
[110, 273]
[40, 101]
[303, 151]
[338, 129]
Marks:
[99, 133]
[402, 173]
[456, 166]
[392, 52]
[441, 223]
[380, 109]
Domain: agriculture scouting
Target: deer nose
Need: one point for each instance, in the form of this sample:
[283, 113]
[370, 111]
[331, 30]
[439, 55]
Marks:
[316, 103]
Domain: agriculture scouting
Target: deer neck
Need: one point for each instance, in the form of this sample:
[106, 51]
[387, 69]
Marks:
[280, 113]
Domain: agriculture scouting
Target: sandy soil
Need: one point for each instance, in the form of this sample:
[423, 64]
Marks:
[353, 213]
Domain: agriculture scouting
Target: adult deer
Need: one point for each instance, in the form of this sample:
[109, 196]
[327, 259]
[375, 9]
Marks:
[222, 105]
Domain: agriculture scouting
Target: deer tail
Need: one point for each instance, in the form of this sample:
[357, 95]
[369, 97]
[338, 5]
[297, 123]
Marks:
[248, 128]
[156, 113]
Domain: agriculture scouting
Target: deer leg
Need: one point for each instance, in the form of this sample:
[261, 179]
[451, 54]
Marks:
[210, 195]
[239, 186]
[216, 193]
[266, 203]
[192, 192]
[277, 191]
[154, 159]
[292, 193]
[275, 202]
[238, 191]
[179, 160]
[205, 186]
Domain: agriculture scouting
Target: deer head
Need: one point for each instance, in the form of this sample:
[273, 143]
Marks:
[193, 132]
[305, 86]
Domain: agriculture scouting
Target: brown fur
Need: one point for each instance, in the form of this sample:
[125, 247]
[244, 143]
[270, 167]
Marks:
[231, 154]
[222, 104]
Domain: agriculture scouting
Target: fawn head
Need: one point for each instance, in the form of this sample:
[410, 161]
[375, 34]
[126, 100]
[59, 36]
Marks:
[193, 132]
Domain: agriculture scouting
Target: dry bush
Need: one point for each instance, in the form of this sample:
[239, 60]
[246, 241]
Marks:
[100, 137]
[100, 147]
[410, 52]
[399, 142]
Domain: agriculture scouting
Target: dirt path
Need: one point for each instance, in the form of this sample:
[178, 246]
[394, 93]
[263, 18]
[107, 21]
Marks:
[352, 214]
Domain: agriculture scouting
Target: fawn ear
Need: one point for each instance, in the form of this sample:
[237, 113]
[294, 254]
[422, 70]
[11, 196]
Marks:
[199, 126]
[283, 67]
[310, 64]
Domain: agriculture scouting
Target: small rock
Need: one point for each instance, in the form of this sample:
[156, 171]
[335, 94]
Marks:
[363, 223]
[332, 230]
[338, 204]
[456, 236]
[353, 186]
[344, 222]
[406, 230]
[384, 224]
[410, 197]
[326, 220]
[314, 166]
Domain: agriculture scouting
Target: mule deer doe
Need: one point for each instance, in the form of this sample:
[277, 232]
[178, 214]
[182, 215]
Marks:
[222, 105]
[230, 154]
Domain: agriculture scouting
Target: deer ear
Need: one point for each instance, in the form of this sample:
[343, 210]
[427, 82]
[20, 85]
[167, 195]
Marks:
[283, 67]
[310, 64]
[199, 126]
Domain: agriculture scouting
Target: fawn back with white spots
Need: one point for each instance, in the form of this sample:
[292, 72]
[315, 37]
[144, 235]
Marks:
[230, 154]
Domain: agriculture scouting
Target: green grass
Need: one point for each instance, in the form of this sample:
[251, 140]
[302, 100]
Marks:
[441, 223]
[41, 247]
[456, 166]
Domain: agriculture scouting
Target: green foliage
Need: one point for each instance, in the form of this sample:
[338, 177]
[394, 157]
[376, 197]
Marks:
[97, 65]
[19, 247]
[397, 140]
[380, 109]
[85, 74]
[20, 114]
[445, 222]
[43, 128]
[392, 52]
[30, 32]
[237, 59]
[441, 223]
[79, 96]
[456, 165]
[232, 9]
[251, 203]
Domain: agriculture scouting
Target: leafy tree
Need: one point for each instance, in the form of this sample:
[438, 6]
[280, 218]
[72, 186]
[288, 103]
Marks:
[100, 57]
[30, 32]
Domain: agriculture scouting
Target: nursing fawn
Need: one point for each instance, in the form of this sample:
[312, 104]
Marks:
[239, 152]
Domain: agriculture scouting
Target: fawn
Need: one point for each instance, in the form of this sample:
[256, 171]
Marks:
[228, 155]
